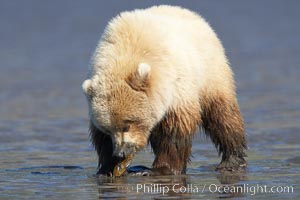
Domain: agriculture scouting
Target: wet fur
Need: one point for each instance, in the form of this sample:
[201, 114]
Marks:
[103, 145]
[223, 123]
[219, 118]
[171, 139]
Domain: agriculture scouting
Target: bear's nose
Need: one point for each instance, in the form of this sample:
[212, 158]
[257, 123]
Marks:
[124, 150]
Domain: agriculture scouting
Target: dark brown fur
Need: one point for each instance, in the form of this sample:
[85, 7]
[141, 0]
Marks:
[222, 121]
[103, 146]
[220, 118]
[171, 139]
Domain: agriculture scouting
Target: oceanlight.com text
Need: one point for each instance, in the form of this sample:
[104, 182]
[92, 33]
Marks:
[211, 188]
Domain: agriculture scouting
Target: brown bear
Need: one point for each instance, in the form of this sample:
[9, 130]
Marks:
[157, 75]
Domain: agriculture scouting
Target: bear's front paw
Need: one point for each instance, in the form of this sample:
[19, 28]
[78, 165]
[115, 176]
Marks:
[233, 163]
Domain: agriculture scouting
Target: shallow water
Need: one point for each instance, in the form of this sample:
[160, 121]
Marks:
[44, 146]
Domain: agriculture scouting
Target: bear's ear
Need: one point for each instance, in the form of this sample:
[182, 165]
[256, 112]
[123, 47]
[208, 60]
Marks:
[140, 79]
[144, 71]
[87, 87]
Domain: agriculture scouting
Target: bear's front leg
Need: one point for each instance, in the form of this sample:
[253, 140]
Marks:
[103, 145]
[171, 140]
[172, 153]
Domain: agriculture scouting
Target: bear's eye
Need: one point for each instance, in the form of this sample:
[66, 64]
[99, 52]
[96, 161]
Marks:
[126, 128]
[128, 121]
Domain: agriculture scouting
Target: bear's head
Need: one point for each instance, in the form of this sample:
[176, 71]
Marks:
[121, 108]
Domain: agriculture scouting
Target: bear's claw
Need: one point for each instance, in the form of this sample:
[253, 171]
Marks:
[231, 164]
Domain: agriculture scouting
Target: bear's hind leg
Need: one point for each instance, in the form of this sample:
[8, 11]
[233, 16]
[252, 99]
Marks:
[222, 121]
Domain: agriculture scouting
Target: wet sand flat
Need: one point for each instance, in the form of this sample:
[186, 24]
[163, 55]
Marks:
[45, 47]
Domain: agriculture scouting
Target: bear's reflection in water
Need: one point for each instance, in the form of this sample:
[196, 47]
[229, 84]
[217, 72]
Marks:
[166, 187]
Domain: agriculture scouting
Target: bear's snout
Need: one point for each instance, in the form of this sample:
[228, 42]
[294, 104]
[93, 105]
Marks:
[124, 150]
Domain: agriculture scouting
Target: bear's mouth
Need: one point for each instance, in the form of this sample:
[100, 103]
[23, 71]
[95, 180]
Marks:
[122, 166]
[125, 152]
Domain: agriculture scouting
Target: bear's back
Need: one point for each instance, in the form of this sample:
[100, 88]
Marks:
[178, 44]
[174, 12]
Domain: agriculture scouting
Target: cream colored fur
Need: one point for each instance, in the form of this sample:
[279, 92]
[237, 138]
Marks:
[174, 47]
